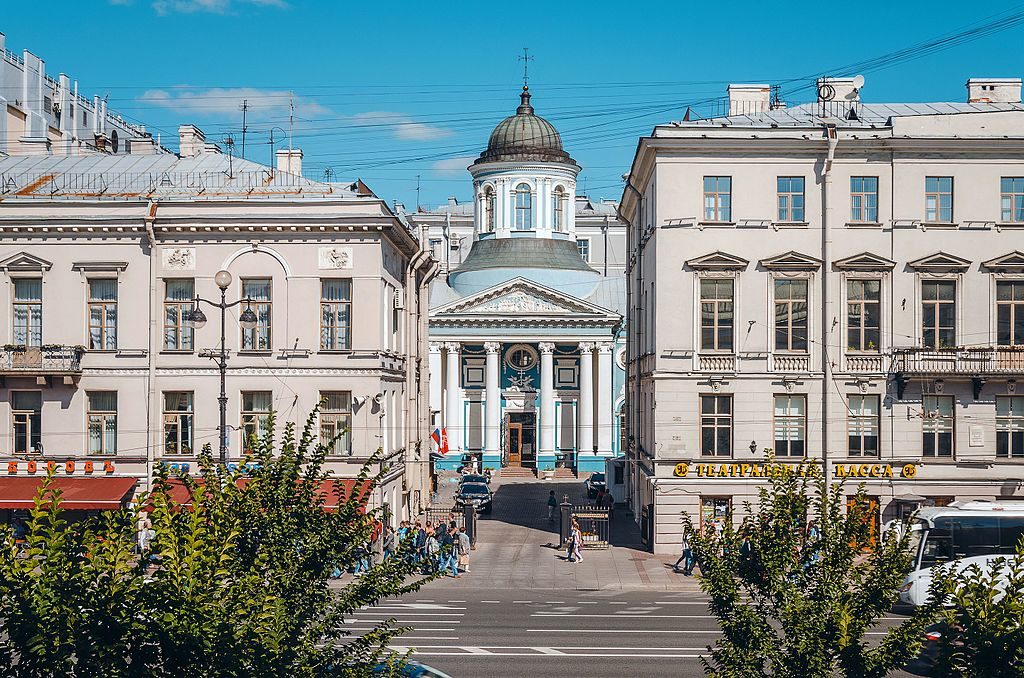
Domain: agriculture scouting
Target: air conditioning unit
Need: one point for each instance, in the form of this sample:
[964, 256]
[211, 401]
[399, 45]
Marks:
[399, 298]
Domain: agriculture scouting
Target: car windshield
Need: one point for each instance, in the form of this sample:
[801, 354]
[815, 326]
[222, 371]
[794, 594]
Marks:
[473, 479]
[597, 478]
[474, 488]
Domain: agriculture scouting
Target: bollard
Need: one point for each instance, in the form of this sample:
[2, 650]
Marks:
[469, 516]
[565, 523]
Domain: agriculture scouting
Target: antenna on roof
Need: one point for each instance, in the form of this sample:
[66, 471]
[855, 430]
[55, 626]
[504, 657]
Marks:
[291, 121]
[776, 98]
[229, 141]
[417, 193]
[245, 107]
[328, 174]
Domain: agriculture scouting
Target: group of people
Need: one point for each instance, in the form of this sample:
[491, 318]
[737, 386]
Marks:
[439, 549]
[604, 499]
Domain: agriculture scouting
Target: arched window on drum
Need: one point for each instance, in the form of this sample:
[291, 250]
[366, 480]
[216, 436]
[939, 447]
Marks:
[524, 208]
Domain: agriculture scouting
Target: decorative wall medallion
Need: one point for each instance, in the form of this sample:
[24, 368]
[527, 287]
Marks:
[179, 259]
[335, 257]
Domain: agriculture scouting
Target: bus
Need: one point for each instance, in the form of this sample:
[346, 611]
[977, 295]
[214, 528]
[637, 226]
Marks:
[959, 535]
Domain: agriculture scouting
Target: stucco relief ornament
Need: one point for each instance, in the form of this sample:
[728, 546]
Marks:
[518, 302]
[335, 257]
[180, 259]
[522, 382]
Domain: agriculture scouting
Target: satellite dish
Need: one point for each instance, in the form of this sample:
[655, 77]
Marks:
[858, 81]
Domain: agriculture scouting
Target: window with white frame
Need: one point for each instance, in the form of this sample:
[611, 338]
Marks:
[937, 426]
[102, 422]
[523, 203]
[863, 425]
[938, 199]
[28, 312]
[790, 423]
[717, 198]
[938, 313]
[103, 314]
[335, 314]
[716, 425]
[178, 422]
[27, 421]
[558, 203]
[791, 314]
[583, 247]
[258, 292]
[1011, 199]
[179, 296]
[336, 422]
[791, 199]
[716, 314]
[1010, 426]
[256, 407]
[489, 208]
[864, 199]
[863, 314]
[1010, 312]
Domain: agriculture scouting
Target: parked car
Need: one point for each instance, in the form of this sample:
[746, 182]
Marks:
[413, 669]
[594, 484]
[474, 478]
[477, 494]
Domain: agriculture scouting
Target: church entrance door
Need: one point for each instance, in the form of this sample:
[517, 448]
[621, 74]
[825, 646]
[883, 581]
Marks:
[521, 440]
[515, 444]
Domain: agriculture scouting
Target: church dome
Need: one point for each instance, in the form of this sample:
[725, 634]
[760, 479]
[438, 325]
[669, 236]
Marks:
[525, 136]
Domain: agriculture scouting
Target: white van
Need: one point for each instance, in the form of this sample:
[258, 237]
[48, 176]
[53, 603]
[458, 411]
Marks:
[959, 535]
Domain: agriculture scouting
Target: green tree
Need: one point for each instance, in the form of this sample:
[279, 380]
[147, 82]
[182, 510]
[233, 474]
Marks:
[800, 582]
[239, 583]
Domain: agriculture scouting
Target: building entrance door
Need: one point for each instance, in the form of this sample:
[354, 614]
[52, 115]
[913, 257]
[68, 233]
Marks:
[515, 444]
[521, 446]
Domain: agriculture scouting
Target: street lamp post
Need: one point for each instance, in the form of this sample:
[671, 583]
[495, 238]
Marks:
[247, 320]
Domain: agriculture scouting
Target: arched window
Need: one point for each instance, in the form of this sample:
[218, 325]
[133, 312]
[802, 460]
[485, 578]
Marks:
[488, 209]
[524, 208]
[558, 208]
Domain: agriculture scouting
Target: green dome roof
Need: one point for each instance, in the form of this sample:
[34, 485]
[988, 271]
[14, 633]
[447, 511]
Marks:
[525, 136]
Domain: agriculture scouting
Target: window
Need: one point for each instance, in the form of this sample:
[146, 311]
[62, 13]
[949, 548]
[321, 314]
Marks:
[938, 199]
[258, 290]
[583, 246]
[558, 209]
[1010, 312]
[791, 315]
[102, 416]
[335, 314]
[1012, 198]
[27, 420]
[28, 312]
[863, 426]
[791, 198]
[489, 207]
[790, 425]
[336, 422]
[103, 314]
[937, 427]
[521, 357]
[1010, 426]
[178, 299]
[256, 406]
[716, 314]
[524, 207]
[178, 423]
[863, 315]
[864, 199]
[716, 426]
[717, 198]
[938, 313]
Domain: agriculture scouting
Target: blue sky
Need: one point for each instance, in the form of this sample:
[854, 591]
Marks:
[387, 91]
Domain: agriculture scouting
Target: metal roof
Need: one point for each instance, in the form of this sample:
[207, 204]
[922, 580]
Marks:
[208, 175]
[524, 136]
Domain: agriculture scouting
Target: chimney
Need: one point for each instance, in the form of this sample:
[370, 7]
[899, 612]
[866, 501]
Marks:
[191, 141]
[749, 99]
[290, 160]
[841, 89]
[142, 145]
[993, 90]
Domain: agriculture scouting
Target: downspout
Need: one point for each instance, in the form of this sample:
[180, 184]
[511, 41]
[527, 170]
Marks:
[604, 231]
[832, 136]
[151, 395]
[634, 332]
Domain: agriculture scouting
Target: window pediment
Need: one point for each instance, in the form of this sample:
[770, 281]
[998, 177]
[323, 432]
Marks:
[865, 261]
[1008, 263]
[23, 261]
[941, 262]
[791, 261]
[718, 261]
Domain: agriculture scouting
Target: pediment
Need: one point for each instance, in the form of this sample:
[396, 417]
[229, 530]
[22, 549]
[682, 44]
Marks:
[718, 261]
[791, 261]
[521, 298]
[1008, 263]
[865, 261]
[23, 261]
[940, 262]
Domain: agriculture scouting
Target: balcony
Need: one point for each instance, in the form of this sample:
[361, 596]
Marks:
[968, 362]
[788, 362]
[716, 362]
[42, 361]
[865, 363]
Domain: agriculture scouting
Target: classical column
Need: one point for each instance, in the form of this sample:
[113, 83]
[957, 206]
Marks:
[453, 408]
[585, 444]
[604, 399]
[436, 377]
[546, 418]
[492, 413]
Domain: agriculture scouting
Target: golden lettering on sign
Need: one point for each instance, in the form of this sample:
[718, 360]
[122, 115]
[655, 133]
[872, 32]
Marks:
[752, 470]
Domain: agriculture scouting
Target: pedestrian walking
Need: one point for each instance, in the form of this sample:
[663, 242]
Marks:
[431, 553]
[552, 505]
[686, 556]
[575, 543]
[464, 548]
[609, 503]
[388, 546]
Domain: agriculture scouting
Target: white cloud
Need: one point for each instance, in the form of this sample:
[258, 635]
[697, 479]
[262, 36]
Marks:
[453, 166]
[403, 126]
[214, 6]
[225, 102]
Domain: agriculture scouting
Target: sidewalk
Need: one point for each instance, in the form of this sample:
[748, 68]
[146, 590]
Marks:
[517, 547]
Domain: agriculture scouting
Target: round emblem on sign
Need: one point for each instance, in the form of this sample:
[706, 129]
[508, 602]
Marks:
[909, 471]
[681, 470]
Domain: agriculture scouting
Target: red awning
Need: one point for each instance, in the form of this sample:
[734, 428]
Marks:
[77, 494]
[335, 491]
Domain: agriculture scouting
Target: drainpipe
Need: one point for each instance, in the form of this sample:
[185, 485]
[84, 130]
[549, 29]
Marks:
[413, 344]
[633, 401]
[151, 395]
[604, 231]
[832, 136]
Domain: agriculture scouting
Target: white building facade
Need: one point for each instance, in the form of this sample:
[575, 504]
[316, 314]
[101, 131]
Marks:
[837, 286]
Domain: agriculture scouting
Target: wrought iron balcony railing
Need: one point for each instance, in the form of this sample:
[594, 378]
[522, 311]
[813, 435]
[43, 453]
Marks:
[965, 361]
[41, 360]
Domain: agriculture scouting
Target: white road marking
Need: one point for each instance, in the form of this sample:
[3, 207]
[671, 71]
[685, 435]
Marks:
[522, 601]
[622, 615]
[475, 650]
[456, 601]
[403, 621]
[490, 601]
[706, 633]
[567, 655]
[681, 602]
[402, 613]
[409, 606]
[372, 628]
[546, 650]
